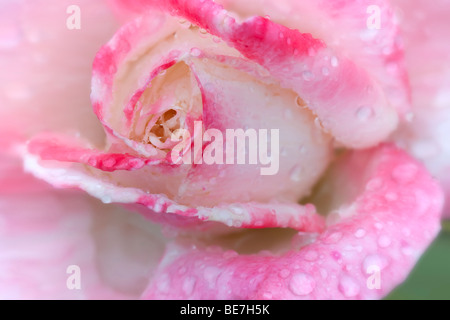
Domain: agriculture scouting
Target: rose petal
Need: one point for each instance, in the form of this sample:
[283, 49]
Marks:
[44, 232]
[298, 61]
[162, 209]
[379, 234]
[425, 29]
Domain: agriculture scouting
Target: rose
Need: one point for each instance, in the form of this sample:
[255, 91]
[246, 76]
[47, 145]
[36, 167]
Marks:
[374, 237]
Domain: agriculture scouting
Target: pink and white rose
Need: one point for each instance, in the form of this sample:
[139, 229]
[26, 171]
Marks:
[362, 113]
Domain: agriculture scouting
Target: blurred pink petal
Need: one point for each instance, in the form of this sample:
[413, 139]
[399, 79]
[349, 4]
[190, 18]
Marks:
[46, 68]
[425, 28]
[45, 231]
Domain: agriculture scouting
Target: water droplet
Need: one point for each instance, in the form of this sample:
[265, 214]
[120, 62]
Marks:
[348, 286]
[407, 251]
[374, 184]
[360, 233]
[336, 255]
[307, 75]
[189, 285]
[296, 173]
[377, 260]
[302, 284]
[230, 254]
[379, 225]
[217, 39]
[300, 102]
[333, 237]
[106, 199]
[405, 173]
[184, 23]
[325, 71]
[311, 255]
[384, 241]
[238, 210]
[202, 32]
[406, 232]
[163, 283]
[334, 62]
[211, 274]
[288, 41]
[364, 113]
[196, 52]
[318, 123]
[281, 35]
[267, 295]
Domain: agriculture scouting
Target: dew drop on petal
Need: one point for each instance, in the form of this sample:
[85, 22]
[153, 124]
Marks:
[189, 285]
[311, 255]
[296, 173]
[372, 260]
[211, 274]
[348, 286]
[374, 184]
[333, 237]
[300, 102]
[196, 52]
[360, 233]
[364, 113]
[318, 123]
[302, 284]
[325, 71]
[334, 62]
[405, 173]
[307, 75]
[384, 241]
[163, 283]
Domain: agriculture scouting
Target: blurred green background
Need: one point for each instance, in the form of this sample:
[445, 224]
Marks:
[430, 278]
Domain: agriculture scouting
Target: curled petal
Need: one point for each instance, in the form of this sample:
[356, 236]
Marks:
[245, 215]
[390, 222]
[298, 61]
